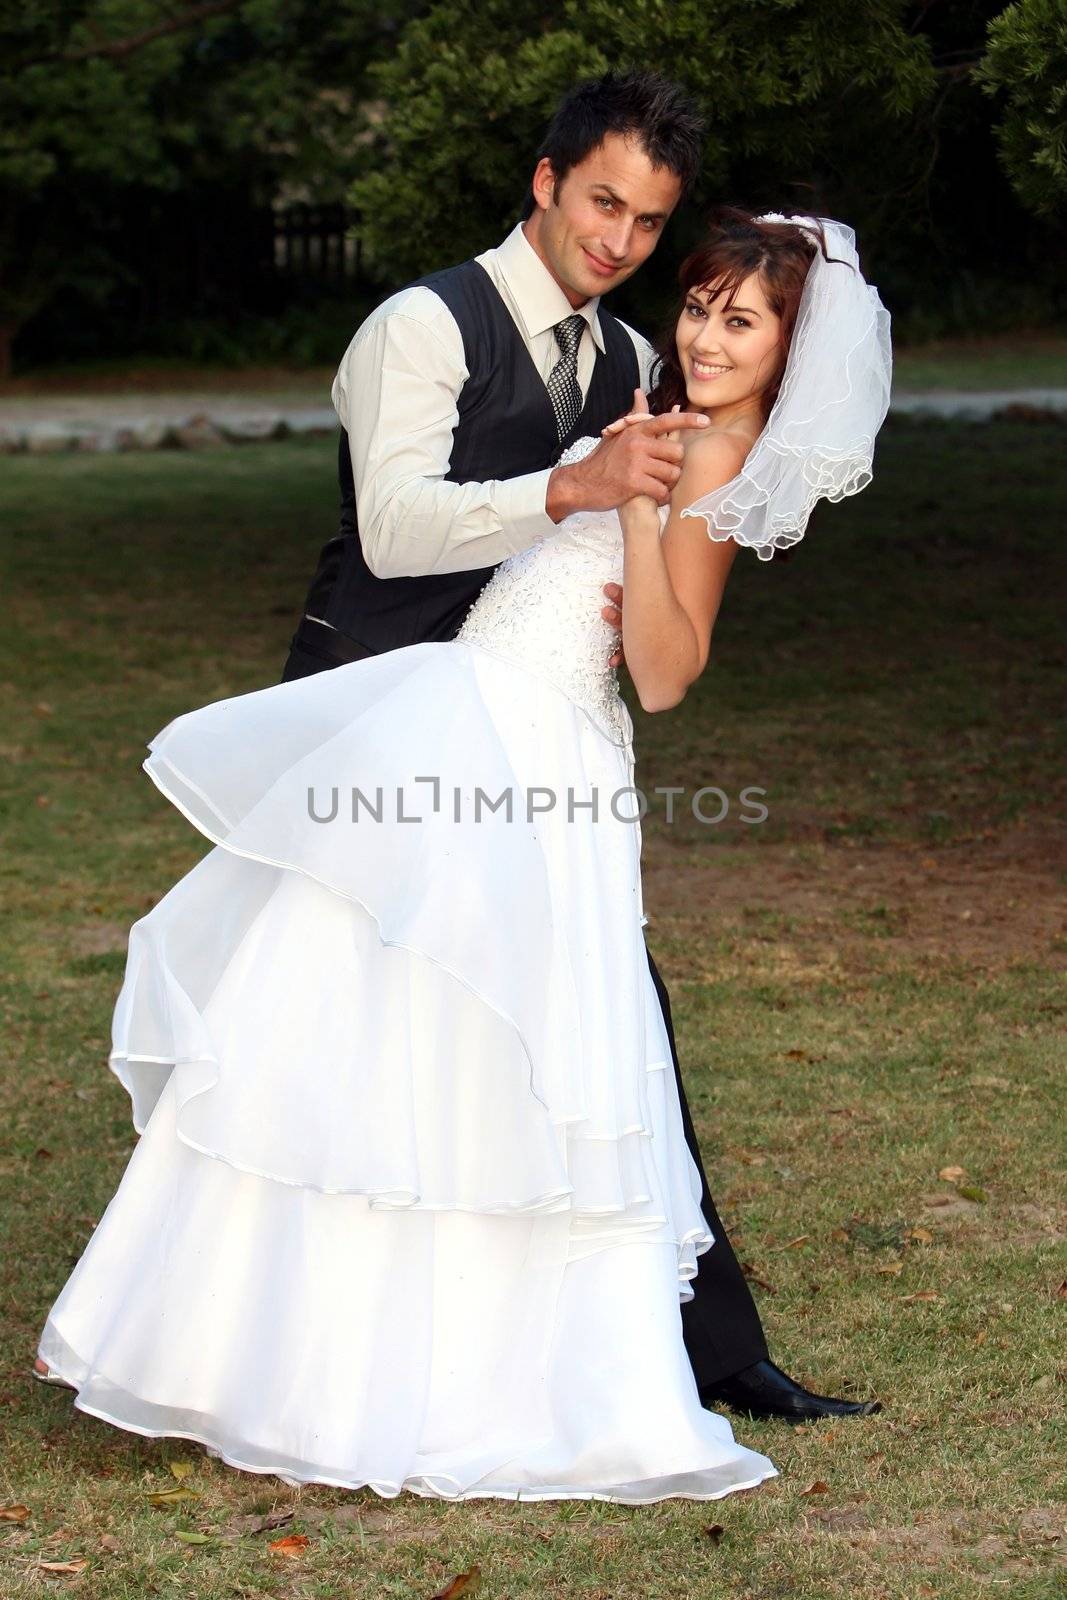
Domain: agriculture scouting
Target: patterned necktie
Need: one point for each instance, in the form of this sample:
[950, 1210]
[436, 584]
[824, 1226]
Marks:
[563, 390]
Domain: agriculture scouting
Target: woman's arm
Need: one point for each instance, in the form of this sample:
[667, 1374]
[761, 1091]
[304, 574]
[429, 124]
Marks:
[674, 584]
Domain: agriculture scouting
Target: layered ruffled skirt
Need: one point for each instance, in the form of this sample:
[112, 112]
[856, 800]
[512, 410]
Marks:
[411, 1205]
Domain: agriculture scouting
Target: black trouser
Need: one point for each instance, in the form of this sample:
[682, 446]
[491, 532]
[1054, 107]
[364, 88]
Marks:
[721, 1325]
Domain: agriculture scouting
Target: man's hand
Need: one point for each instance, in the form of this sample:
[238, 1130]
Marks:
[641, 514]
[638, 459]
[613, 613]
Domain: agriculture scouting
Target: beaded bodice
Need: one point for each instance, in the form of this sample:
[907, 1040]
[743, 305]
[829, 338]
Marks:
[541, 609]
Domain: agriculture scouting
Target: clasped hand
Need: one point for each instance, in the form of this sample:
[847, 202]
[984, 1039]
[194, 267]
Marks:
[657, 454]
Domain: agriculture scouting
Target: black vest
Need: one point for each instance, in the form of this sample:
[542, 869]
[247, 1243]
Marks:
[506, 428]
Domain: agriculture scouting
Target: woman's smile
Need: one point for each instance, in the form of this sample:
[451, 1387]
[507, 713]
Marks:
[704, 371]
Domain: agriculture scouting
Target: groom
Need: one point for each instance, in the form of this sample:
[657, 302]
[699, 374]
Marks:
[456, 398]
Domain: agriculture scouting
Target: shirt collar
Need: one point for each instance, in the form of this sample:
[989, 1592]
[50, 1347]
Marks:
[540, 300]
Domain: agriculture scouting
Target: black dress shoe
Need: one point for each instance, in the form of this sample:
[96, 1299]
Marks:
[764, 1390]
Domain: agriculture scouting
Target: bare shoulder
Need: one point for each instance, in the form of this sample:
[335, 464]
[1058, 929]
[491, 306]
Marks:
[712, 457]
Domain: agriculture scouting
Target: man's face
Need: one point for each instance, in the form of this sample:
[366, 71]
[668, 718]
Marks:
[595, 227]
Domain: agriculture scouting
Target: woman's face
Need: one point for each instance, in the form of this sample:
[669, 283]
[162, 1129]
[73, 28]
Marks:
[728, 352]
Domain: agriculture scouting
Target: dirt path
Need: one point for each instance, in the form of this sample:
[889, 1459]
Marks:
[987, 903]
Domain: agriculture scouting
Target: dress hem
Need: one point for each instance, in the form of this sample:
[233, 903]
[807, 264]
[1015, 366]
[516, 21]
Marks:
[391, 1491]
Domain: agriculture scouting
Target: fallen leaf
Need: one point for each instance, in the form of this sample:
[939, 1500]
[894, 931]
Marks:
[753, 1277]
[715, 1532]
[14, 1513]
[293, 1545]
[952, 1174]
[801, 1238]
[181, 1469]
[1061, 1292]
[980, 1337]
[968, 1191]
[192, 1538]
[464, 1583]
[923, 1294]
[892, 1269]
[818, 1487]
[919, 1236]
[78, 1565]
[170, 1497]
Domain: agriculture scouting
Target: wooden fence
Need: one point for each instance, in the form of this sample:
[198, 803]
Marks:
[317, 242]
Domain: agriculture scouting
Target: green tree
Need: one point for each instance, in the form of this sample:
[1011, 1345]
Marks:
[1025, 67]
[469, 89]
[101, 96]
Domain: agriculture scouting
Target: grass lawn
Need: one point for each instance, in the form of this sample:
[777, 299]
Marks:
[1007, 361]
[868, 989]
[1003, 361]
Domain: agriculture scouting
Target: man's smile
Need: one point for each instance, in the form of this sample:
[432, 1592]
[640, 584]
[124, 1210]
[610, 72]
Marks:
[607, 269]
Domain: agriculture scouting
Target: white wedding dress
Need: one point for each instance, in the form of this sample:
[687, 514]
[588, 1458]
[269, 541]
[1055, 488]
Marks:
[411, 1205]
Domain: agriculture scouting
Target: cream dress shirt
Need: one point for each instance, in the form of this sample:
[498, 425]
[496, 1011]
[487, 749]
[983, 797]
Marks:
[396, 393]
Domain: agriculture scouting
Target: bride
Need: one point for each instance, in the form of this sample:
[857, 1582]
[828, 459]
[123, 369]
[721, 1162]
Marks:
[411, 1206]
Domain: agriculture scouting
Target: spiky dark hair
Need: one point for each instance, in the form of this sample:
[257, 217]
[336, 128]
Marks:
[646, 106]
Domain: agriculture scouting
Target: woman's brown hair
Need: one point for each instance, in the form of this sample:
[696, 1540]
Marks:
[737, 245]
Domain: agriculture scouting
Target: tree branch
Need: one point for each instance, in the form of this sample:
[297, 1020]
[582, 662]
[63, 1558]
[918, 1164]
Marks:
[958, 69]
[116, 49]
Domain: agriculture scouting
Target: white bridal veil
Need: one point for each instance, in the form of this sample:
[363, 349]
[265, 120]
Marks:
[818, 441]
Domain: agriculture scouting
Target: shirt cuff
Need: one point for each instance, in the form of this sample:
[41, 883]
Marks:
[520, 504]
